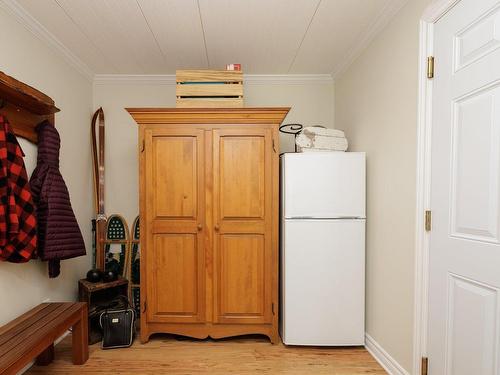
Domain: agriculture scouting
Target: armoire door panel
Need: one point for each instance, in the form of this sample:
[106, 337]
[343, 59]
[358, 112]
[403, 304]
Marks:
[242, 177]
[242, 174]
[174, 279]
[174, 220]
[175, 165]
[241, 275]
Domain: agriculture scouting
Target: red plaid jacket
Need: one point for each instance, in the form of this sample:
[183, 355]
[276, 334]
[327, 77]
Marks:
[17, 213]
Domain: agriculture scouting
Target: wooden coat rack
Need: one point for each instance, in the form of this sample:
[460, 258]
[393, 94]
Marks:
[24, 107]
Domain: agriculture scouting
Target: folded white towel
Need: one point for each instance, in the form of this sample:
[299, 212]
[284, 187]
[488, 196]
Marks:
[321, 139]
[327, 132]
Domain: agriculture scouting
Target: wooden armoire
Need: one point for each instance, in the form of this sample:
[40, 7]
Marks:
[209, 203]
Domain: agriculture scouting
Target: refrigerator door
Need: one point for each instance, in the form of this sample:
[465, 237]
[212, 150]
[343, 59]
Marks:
[323, 185]
[323, 282]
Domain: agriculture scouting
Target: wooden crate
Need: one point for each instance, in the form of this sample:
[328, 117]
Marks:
[209, 89]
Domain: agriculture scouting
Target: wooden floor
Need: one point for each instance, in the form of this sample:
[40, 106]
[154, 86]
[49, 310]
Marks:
[247, 355]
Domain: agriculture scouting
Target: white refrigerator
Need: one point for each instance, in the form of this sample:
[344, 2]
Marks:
[322, 260]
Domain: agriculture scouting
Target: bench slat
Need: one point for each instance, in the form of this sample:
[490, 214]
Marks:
[25, 321]
[21, 318]
[28, 336]
[36, 324]
[44, 330]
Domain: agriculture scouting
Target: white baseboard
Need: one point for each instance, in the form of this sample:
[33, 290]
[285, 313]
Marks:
[29, 365]
[386, 361]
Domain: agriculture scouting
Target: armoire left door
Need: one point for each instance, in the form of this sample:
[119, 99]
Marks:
[173, 202]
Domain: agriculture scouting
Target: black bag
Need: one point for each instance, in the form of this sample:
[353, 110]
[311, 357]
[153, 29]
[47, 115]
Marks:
[102, 301]
[118, 327]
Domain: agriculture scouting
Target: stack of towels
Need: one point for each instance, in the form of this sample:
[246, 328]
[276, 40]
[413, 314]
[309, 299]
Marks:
[318, 138]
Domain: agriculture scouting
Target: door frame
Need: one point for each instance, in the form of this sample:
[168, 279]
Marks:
[432, 14]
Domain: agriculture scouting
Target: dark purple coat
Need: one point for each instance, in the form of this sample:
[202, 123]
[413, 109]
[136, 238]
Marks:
[59, 236]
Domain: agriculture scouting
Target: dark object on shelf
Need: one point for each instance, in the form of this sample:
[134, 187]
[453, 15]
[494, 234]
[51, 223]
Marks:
[291, 129]
[109, 275]
[24, 106]
[118, 326]
[100, 296]
[112, 264]
[94, 275]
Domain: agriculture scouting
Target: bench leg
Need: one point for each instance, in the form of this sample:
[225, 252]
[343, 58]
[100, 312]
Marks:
[80, 339]
[46, 357]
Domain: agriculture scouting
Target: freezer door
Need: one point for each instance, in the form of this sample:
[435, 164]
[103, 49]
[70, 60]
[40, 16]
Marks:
[323, 184]
[323, 282]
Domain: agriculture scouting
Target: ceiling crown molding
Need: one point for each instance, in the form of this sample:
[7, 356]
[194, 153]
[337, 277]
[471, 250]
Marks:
[36, 28]
[437, 9]
[287, 79]
[385, 16]
[140, 79]
[249, 79]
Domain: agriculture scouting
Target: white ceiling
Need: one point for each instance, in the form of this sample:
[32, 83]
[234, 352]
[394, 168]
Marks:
[265, 36]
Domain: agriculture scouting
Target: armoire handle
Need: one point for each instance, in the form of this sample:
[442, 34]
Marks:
[216, 227]
[200, 227]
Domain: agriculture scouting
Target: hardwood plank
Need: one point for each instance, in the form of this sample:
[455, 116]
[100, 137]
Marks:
[242, 356]
[209, 90]
[207, 75]
[94, 287]
[209, 103]
[189, 116]
[25, 96]
[23, 122]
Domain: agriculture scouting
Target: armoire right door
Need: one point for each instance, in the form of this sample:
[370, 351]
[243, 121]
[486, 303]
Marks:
[243, 259]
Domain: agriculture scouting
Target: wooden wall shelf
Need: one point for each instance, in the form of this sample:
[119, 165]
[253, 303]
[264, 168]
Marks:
[24, 106]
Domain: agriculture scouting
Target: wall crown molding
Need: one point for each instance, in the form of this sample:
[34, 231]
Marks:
[437, 9]
[13, 8]
[249, 79]
[385, 16]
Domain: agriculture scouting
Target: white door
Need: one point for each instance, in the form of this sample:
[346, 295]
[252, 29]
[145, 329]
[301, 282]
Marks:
[464, 299]
[324, 184]
[323, 282]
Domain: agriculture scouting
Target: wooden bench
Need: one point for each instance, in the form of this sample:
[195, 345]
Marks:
[32, 335]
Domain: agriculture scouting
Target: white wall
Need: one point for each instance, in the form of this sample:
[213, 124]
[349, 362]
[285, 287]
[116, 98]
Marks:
[311, 102]
[376, 104]
[28, 59]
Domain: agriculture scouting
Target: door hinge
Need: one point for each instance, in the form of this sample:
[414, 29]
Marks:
[274, 146]
[143, 145]
[430, 67]
[428, 220]
[145, 306]
[424, 368]
[272, 308]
